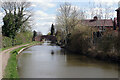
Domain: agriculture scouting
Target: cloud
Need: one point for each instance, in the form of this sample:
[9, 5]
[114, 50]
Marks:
[44, 28]
[42, 16]
[41, 13]
[1, 16]
[106, 2]
[63, 0]
[43, 21]
[33, 5]
[43, 5]
[47, 4]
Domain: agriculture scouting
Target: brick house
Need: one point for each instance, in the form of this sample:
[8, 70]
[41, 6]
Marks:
[101, 24]
[38, 38]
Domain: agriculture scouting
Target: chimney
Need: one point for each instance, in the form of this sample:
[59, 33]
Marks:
[95, 18]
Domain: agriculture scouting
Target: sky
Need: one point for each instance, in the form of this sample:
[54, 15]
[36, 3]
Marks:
[44, 11]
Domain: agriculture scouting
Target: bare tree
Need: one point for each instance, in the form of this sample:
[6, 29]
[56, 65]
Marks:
[101, 10]
[67, 18]
[92, 7]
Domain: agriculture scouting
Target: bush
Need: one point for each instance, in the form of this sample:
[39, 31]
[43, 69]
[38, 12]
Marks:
[78, 42]
[117, 44]
[108, 43]
[6, 42]
[0, 41]
[20, 38]
[105, 44]
[24, 37]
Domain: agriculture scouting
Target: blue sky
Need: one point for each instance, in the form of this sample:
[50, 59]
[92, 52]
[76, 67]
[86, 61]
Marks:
[44, 11]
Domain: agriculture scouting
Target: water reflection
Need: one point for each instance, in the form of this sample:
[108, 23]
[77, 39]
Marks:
[50, 61]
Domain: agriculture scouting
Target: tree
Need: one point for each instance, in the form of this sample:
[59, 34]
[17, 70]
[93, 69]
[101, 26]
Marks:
[101, 10]
[52, 30]
[8, 29]
[67, 19]
[34, 35]
[16, 15]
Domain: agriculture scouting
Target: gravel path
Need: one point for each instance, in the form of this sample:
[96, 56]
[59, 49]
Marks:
[4, 56]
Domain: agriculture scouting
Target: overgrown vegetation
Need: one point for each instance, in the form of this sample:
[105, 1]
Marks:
[20, 38]
[79, 38]
[108, 44]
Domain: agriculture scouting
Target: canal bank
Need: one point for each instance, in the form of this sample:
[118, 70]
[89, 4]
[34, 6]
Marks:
[10, 68]
[96, 54]
[51, 61]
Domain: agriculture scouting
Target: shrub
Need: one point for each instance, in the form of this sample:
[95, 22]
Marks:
[20, 38]
[0, 41]
[79, 42]
[24, 37]
[6, 42]
[117, 44]
[105, 44]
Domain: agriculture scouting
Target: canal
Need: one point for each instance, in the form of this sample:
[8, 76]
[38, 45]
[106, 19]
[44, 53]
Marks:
[50, 61]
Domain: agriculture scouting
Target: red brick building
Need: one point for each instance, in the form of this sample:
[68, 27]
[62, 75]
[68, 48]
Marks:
[101, 24]
[38, 38]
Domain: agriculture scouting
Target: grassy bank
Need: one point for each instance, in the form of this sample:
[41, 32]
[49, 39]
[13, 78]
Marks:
[11, 68]
[2, 49]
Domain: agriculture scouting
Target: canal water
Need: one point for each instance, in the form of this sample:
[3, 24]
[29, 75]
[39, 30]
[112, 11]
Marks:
[50, 61]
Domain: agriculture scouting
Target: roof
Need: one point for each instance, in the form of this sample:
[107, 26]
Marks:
[101, 22]
[117, 9]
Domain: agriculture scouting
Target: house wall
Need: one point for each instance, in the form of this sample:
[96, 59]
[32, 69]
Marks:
[38, 38]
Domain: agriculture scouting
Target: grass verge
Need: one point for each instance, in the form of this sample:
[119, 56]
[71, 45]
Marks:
[11, 68]
[2, 49]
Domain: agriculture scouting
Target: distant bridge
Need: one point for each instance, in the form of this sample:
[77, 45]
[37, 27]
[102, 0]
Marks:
[46, 37]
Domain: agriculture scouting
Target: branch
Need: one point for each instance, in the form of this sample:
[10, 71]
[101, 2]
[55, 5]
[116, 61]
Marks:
[26, 18]
[5, 10]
